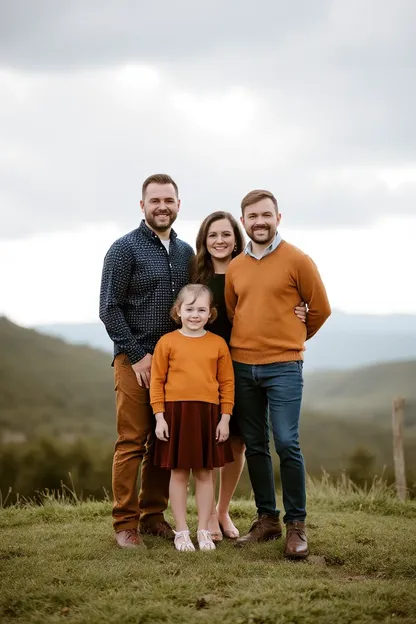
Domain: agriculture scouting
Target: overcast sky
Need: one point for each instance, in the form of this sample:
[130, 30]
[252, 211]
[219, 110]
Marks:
[313, 100]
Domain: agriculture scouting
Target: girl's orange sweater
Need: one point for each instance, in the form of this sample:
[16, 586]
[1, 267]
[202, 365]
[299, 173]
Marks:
[192, 369]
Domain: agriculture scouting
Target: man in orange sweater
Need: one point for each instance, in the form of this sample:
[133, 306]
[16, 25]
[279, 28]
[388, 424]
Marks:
[263, 286]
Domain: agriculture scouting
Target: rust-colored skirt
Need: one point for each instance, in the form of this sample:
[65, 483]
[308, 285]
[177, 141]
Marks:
[192, 443]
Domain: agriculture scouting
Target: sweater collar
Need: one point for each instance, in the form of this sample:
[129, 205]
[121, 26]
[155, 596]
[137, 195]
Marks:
[248, 250]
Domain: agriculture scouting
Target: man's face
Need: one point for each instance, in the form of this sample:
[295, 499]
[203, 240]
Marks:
[160, 206]
[261, 221]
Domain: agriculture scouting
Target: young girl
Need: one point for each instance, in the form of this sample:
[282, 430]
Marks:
[192, 396]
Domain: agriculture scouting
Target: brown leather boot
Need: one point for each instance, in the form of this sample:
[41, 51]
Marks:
[264, 528]
[129, 538]
[296, 542]
[160, 529]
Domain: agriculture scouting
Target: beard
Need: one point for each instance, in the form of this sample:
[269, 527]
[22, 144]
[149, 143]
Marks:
[262, 236]
[155, 223]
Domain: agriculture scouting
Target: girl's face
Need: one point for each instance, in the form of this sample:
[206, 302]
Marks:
[220, 240]
[194, 313]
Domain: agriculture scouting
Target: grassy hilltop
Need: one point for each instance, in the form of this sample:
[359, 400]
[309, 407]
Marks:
[58, 561]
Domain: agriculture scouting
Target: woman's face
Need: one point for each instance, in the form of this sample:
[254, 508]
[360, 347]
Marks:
[220, 240]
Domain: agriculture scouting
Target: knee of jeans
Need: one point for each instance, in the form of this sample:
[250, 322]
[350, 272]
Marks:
[257, 448]
[287, 446]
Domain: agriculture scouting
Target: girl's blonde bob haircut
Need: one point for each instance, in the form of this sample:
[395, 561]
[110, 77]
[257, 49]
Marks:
[196, 290]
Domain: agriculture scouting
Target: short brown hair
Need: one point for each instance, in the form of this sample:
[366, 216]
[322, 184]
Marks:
[159, 178]
[197, 290]
[255, 196]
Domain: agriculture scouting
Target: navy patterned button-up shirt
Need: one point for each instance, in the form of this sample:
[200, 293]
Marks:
[140, 282]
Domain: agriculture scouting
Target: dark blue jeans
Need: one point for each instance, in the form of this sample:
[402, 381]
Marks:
[271, 394]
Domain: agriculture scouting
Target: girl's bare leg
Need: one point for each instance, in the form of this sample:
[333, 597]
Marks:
[178, 494]
[204, 494]
[213, 525]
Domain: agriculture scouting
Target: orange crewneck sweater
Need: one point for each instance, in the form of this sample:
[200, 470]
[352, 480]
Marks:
[192, 369]
[261, 296]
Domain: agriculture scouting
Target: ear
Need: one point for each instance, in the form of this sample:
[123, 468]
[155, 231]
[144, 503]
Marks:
[142, 205]
[179, 203]
[279, 216]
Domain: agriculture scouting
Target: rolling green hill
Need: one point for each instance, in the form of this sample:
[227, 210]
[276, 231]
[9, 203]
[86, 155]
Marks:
[49, 388]
[364, 392]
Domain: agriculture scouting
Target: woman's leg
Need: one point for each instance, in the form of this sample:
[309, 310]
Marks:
[230, 475]
[178, 494]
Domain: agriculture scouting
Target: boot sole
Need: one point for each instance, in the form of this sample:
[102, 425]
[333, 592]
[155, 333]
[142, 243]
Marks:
[297, 557]
[270, 538]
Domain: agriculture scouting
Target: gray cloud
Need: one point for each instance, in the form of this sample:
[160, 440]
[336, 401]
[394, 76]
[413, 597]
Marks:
[101, 32]
[307, 99]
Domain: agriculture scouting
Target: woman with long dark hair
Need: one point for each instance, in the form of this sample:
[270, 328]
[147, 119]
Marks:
[219, 240]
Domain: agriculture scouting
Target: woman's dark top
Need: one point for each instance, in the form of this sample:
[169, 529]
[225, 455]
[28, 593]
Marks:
[221, 326]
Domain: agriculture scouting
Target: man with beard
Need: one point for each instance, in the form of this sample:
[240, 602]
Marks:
[262, 287]
[143, 273]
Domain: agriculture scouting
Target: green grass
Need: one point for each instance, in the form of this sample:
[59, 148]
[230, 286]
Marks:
[59, 561]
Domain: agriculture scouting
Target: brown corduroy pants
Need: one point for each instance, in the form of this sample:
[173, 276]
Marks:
[134, 448]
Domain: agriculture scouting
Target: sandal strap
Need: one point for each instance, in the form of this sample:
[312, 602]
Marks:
[205, 539]
[186, 544]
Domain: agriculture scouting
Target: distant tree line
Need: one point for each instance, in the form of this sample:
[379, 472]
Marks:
[84, 468]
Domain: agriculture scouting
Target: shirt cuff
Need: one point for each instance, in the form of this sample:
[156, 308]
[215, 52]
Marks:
[135, 353]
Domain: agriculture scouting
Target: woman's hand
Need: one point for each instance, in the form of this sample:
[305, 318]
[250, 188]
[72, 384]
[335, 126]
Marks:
[223, 428]
[301, 311]
[162, 429]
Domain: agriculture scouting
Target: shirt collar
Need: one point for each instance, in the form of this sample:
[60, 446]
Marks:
[248, 250]
[148, 232]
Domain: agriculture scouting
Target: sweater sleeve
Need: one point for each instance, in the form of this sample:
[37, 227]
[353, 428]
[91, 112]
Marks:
[230, 296]
[158, 375]
[312, 291]
[225, 373]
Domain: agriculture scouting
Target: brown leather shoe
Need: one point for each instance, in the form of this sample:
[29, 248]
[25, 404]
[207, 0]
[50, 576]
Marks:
[296, 542]
[264, 528]
[130, 538]
[160, 529]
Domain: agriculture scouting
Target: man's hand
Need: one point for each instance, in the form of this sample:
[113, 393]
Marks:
[301, 311]
[223, 429]
[142, 370]
[162, 429]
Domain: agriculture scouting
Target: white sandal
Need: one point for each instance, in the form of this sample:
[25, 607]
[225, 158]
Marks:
[205, 540]
[182, 541]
